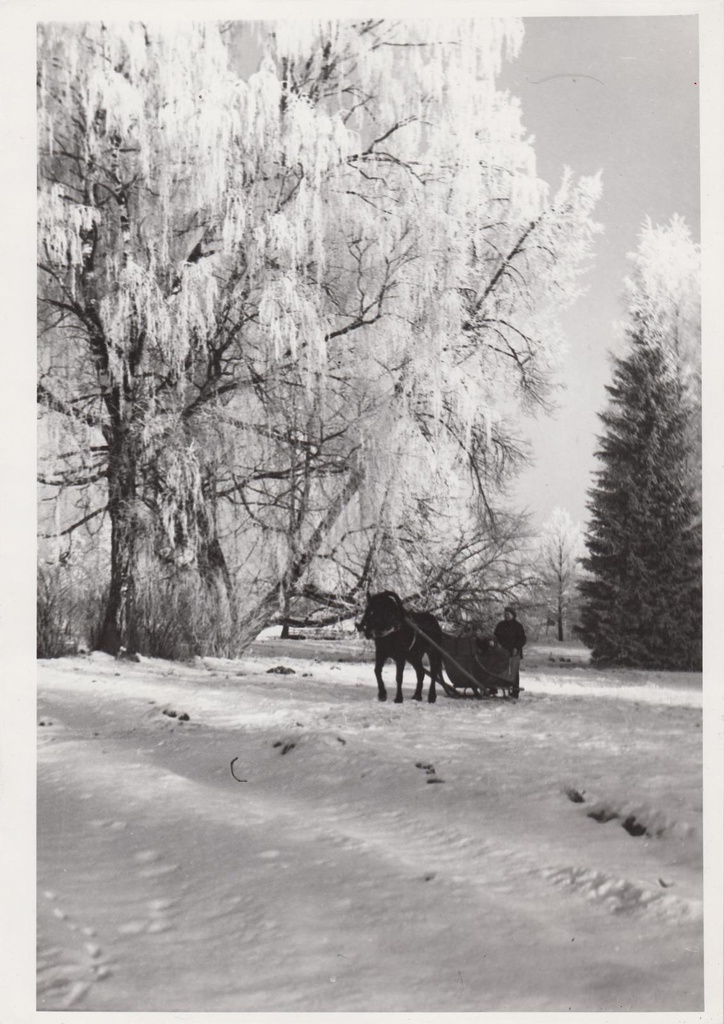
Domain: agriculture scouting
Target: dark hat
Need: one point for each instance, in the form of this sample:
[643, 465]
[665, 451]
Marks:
[511, 610]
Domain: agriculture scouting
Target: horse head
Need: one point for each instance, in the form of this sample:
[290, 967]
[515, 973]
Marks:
[383, 615]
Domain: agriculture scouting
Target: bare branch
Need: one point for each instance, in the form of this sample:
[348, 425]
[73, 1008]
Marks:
[74, 526]
[48, 399]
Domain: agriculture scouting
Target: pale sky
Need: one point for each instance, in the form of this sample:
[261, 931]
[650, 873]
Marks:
[618, 94]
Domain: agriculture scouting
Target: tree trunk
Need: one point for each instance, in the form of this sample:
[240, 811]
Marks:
[559, 618]
[213, 568]
[286, 613]
[212, 565]
[119, 626]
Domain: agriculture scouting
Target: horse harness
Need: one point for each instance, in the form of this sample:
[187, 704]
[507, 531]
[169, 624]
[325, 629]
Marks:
[398, 629]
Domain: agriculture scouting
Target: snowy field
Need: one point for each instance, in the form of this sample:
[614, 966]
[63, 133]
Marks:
[539, 855]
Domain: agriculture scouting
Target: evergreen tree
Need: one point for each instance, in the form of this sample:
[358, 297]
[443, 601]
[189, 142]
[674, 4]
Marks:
[643, 598]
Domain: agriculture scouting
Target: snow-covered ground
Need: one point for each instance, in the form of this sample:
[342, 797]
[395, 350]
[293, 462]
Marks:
[297, 846]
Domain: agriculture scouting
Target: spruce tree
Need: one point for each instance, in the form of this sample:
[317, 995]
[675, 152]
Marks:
[643, 598]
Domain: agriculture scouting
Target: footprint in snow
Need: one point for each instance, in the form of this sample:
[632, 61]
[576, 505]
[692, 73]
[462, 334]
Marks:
[429, 770]
[158, 870]
[70, 980]
[115, 826]
[146, 856]
[132, 927]
[170, 713]
[157, 918]
[286, 747]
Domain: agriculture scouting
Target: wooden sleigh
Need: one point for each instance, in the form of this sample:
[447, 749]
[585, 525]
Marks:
[479, 667]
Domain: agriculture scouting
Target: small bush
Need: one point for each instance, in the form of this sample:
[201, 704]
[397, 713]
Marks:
[68, 610]
[54, 636]
[179, 618]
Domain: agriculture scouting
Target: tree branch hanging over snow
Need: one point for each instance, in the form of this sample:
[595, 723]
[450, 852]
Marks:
[315, 252]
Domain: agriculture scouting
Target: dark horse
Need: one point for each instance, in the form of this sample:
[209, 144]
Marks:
[391, 627]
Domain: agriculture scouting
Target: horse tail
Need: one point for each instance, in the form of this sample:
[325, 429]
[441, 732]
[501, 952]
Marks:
[435, 664]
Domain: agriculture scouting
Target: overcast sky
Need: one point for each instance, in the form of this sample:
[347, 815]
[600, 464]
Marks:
[618, 94]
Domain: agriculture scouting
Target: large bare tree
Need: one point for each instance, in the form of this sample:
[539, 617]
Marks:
[276, 308]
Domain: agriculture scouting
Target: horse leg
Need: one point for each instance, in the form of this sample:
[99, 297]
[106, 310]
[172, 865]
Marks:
[435, 674]
[381, 691]
[400, 669]
[417, 665]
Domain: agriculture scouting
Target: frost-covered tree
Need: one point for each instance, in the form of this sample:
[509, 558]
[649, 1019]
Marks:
[664, 291]
[274, 309]
[643, 597]
[478, 568]
[561, 548]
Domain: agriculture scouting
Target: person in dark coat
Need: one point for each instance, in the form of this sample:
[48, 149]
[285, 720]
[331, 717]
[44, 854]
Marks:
[510, 634]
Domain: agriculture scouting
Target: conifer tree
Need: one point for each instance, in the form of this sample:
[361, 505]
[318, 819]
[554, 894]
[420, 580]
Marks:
[642, 600]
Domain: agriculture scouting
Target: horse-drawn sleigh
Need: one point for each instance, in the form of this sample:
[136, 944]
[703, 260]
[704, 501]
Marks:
[474, 665]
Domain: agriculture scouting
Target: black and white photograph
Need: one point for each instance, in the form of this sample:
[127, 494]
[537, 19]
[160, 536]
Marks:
[375, 665]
